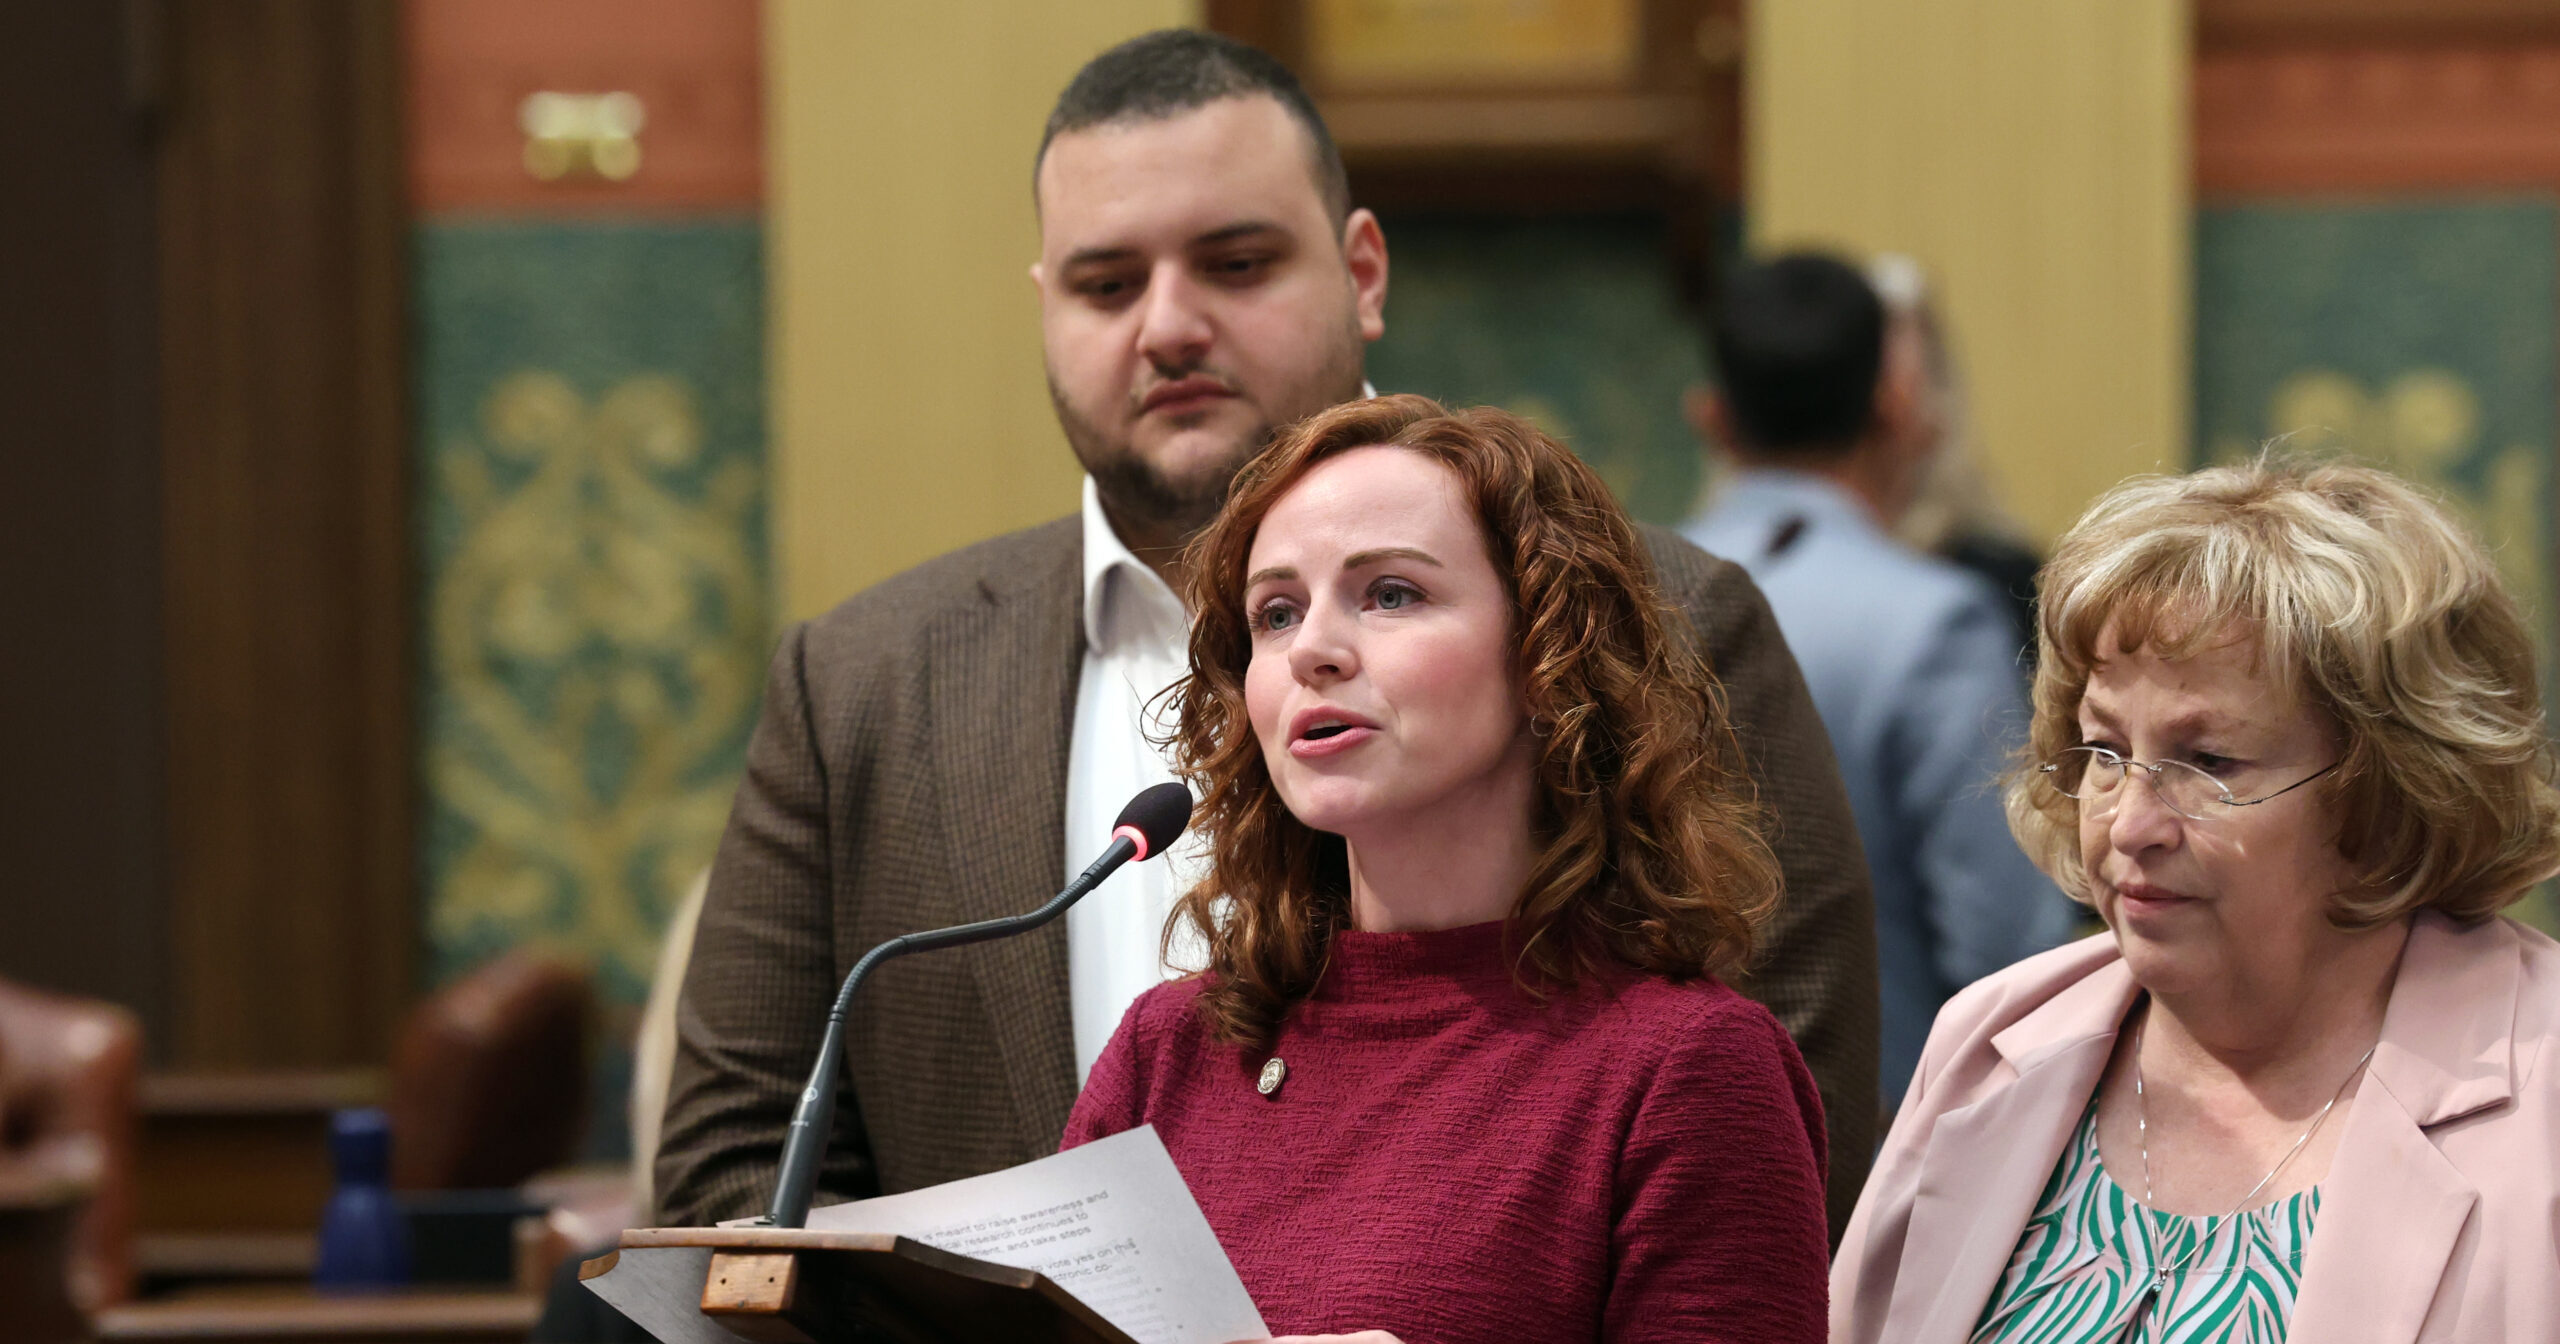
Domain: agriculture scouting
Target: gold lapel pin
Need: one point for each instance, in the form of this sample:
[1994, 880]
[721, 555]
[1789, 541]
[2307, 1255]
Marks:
[1272, 1075]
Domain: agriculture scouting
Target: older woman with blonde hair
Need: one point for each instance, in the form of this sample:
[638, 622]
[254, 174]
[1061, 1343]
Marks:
[2288, 745]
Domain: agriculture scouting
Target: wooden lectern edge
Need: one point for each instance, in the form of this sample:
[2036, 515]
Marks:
[758, 1239]
[810, 1239]
[773, 1239]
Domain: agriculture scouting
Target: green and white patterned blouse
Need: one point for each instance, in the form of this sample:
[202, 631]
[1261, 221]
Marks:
[2091, 1249]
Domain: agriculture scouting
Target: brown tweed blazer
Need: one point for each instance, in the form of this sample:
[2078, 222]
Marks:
[909, 771]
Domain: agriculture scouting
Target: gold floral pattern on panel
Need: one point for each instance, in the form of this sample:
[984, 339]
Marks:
[2424, 424]
[595, 638]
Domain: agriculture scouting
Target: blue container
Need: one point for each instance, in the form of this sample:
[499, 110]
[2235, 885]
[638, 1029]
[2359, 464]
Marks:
[364, 1237]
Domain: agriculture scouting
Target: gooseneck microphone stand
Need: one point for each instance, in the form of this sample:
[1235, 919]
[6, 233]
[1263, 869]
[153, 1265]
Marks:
[1146, 826]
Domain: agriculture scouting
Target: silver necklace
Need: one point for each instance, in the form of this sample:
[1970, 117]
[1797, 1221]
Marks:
[2142, 1142]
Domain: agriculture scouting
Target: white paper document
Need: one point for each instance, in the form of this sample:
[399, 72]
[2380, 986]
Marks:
[1111, 1222]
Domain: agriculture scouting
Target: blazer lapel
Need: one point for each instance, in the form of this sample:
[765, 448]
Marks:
[2393, 1208]
[1986, 1163]
[2387, 1225]
[1002, 707]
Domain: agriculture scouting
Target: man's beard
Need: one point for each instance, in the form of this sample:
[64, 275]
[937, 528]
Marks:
[1141, 494]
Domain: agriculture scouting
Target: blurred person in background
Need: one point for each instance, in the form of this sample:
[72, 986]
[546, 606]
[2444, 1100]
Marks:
[1825, 412]
[944, 746]
[1953, 513]
[2289, 745]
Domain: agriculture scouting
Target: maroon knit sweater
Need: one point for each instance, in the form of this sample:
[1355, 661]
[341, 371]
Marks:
[1450, 1161]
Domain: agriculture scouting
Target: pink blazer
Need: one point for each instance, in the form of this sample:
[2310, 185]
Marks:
[2439, 1214]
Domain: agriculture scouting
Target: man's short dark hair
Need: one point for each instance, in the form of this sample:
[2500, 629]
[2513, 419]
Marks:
[1173, 70]
[1798, 343]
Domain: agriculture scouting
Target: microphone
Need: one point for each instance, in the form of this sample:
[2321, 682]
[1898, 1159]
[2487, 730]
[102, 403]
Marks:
[1143, 830]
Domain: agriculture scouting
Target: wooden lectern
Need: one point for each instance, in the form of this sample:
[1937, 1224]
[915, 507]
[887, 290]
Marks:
[779, 1285]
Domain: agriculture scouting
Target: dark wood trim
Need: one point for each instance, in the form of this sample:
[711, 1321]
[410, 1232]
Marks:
[1676, 114]
[299, 1314]
[1665, 139]
[2232, 23]
[1276, 26]
[292, 894]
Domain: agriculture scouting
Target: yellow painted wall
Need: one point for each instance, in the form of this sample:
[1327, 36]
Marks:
[2033, 154]
[909, 411]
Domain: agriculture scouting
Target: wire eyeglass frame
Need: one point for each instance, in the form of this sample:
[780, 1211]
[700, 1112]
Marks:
[2162, 780]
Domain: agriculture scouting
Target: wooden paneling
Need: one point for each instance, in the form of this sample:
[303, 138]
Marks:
[35, 1252]
[233, 1170]
[80, 800]
[695, 66]
[2319, 115]
[909, 414]
[2034, 158]
[291, 894]
[1670, 123]
[2366, 96]
[1661, 136]
[301, 1315]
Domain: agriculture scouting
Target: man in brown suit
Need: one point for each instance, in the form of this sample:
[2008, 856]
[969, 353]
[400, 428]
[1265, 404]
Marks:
[1202, 280]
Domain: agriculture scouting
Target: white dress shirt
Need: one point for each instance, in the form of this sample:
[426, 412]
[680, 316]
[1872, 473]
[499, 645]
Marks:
[1135, 633]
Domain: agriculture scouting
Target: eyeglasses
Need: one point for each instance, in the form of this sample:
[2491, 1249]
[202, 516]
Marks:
[2096, 775]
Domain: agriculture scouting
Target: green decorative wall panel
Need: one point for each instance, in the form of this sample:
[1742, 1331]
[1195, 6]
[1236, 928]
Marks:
[1573, 323]
[2419, 337]
[2423, 337]
[591, 481]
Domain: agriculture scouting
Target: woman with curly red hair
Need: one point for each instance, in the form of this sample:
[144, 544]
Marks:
[1459, 1067]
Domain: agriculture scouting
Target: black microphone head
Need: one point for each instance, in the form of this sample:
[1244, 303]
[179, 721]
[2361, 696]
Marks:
[1156, 816]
